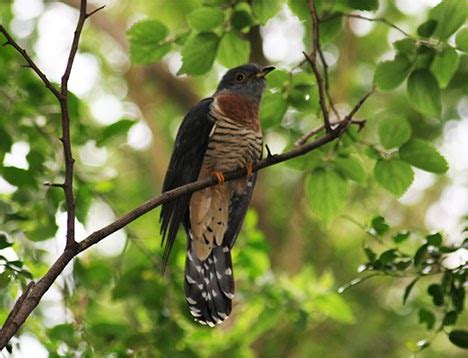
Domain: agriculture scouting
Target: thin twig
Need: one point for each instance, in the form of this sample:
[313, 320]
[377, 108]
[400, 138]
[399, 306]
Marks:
[55, 185]
[65, 120]
[310, 134]
[312, 59]
[379, 19]
[327, 82]
[356, 108]
[30, 62]
[95, 11]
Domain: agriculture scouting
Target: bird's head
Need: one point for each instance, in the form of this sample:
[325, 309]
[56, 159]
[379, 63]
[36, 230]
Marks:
[247, 80]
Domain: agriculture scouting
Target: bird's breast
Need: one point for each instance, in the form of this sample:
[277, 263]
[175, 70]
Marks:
[232, 143]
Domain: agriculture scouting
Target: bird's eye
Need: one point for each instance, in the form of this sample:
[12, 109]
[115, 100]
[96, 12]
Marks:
[240, 77]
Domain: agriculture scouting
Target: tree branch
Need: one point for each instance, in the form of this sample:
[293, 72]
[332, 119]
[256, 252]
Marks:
[312, 59]
[379, 19]
[65, 119]
[327, 82]
[29, 300]
[30, 62]
[310, 134]
[62, 97]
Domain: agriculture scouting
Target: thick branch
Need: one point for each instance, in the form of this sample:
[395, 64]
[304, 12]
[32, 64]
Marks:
[30, 62]
[32, 299]
[312, 59]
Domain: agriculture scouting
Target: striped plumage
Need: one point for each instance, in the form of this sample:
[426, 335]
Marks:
[220, 134]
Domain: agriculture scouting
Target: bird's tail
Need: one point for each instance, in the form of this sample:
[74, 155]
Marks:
[209, 285]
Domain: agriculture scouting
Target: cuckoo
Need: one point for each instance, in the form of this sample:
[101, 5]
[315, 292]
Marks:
[219, 134]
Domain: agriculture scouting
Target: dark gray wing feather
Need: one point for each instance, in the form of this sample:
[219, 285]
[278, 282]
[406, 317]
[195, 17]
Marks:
[237, 210]
[184, 167]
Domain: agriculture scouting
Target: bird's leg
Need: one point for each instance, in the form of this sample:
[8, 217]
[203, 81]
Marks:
[220, 177]
[249, 168]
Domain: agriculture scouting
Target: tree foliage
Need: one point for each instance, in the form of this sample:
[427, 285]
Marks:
[314, 219]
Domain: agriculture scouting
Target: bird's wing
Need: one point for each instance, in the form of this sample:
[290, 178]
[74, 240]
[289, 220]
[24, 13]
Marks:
[237, 210]
[184, 167]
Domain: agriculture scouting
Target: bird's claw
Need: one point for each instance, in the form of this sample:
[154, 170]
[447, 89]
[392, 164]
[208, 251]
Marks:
[220, 177]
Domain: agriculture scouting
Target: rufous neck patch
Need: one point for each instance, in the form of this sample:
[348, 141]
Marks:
[240, 109]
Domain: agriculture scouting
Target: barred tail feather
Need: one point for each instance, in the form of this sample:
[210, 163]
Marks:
[209, 285]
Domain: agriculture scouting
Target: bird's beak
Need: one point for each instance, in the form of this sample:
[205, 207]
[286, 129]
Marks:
[264, 71]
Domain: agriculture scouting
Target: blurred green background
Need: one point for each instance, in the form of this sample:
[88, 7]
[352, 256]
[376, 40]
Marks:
[292, 254]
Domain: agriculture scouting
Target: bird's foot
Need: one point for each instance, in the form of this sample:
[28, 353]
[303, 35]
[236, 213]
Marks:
[249, 168]
[220, 177]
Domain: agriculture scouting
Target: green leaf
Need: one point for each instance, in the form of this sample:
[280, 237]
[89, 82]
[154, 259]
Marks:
[205, 18]
[278, 79]
[379, 225]
[330, 29]
[5, 143]
[366, 5]
[405, 46]
[423, 155]
[459, 338]
[394, 132]
[450, 318]
[233, 50]
[327, 193]
[420, 255]
[371, 256]
[394, 175]
[242, 16]
[427, 317]
[272, 109]
[445, 65]
[450, 15]
[5, 278]
[435, 290]
[4, 243]
[199, 53]
[265, 9]
[335, 307]
[398, 238]
[409, 288]
[300, 8]
[458, 298]
[462, 39]
[115, 130]
[63, 333]
[148, 41]
[42, 232]
[18, 177]
[390, 74]
[434, 239]
[387, 257]
[351, 168]
[423, 92]
[427, 28]
[424, 57]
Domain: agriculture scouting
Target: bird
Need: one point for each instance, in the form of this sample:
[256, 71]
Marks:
[219, 134]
